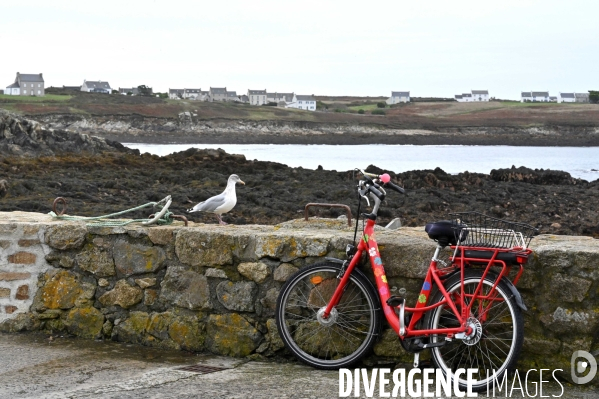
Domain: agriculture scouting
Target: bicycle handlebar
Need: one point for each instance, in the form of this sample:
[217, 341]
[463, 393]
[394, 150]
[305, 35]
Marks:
[385, 179]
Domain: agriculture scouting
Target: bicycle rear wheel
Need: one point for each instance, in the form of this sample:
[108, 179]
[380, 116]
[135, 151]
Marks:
[498, 331]
[343, 338]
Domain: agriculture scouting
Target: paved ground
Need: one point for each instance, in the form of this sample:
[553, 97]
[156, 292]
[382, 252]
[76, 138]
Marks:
[34, 366]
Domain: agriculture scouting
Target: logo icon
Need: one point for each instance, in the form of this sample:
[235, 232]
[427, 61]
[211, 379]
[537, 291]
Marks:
[583, 366]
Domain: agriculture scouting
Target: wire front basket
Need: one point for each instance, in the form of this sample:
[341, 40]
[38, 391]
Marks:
[474, 229]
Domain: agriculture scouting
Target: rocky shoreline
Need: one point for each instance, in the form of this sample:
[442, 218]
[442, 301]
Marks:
[38, 164]
[188, 129]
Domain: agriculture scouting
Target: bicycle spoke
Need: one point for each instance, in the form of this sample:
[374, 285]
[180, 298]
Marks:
[491, 348]
[327, 342]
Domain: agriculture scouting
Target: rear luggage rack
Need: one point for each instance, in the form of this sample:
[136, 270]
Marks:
[473, 229]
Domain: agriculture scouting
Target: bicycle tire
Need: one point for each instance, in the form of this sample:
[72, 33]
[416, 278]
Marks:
[348, 334]
[495, 347]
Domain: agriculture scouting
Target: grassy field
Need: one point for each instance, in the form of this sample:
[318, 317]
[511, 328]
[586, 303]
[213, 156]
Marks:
[365, 107]
[4, 98]
[419, 115]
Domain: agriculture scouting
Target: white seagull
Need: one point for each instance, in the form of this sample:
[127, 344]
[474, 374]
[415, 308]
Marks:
[221, 203]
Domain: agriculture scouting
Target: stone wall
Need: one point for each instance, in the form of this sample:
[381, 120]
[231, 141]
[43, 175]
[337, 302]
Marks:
[214, 288]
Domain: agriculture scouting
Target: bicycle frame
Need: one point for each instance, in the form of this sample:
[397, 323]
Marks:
[369, 244]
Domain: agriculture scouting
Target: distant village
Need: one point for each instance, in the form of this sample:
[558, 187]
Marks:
[33, 85]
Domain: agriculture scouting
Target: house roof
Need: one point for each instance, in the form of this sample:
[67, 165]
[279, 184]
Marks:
[466, 95]
[193, 90]
[553, 98]
[540, 94]
[176, 91]
[458, 96]
[96, 84]
[231, 94]
[250, 92]
[566, 95]
[288, 97]
[13, 86]
[480, 91]
[30, 77]
[305, 98]
[400, 94]
[581, 95]
[526, 94]
[218, 90]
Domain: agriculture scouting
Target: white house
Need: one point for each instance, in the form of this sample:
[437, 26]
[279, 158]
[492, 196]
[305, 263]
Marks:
[13, 89]
[526, 96]
[175, 94]
[279, 98]
[257, 97]
[540, 96]
[535, 96]
[192, 94]
[480, 95]
[27, 84]
[464, 98]
[398, 97]
[307, 103]
[566, 98]
[474, 95]
[91, 86]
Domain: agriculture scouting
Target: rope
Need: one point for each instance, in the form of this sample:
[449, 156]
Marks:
[162, 218]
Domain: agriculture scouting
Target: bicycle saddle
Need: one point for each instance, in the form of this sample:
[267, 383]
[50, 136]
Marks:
[445, 232]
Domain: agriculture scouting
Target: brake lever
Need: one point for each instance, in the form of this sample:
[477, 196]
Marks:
[363, 195]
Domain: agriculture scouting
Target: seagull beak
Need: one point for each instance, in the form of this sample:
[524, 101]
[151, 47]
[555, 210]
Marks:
[241, 181]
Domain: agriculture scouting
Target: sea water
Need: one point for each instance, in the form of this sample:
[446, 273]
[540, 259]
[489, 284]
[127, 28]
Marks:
[580, 162]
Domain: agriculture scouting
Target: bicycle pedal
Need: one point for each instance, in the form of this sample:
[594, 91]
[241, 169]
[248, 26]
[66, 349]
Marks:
[395, 301]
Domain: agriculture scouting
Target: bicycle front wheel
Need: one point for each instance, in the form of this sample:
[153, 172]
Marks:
[346, 335]
[493, 346]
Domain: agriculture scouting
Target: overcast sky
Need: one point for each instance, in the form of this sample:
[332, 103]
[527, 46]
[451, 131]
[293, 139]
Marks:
[431, 48]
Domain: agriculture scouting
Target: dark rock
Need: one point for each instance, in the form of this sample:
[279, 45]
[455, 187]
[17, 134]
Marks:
[237, 296]
[23, 137]
[3, 188]
[186, 289]
[274, 193]
[131, 259]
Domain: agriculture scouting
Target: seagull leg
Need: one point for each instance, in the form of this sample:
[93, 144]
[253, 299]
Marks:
[220, 221]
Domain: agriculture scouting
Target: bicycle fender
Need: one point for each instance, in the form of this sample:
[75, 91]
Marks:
[515, 293]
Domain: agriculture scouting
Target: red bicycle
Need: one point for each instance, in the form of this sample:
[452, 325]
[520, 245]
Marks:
[468, 312]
